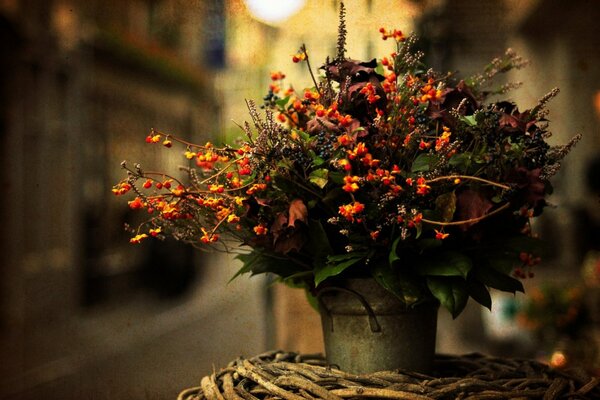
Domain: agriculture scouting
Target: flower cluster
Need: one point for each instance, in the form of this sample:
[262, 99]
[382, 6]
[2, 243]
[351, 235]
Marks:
[554, 311]
[383, 168]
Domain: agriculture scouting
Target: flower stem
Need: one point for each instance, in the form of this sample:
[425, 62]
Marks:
[471, 178]
[467, 221]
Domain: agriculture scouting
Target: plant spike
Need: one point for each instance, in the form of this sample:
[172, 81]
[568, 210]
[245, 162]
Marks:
[341, 41]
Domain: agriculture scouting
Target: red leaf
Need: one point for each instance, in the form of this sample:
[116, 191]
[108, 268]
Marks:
[470, 205]
[297, 211]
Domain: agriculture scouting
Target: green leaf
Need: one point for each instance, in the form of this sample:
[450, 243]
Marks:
[469, 120]
[461, 161]
[281, 103]
[333, 268]
[448, 263]
[303, 135]
[451, 292]
[445, 204]
[337, 177]
[333, 197]
[285, 185]
[498, 280]
[318, 161]
[257, 262]
[503, 263]
[318, 242]
[393, 256]
[419, 230]
[424, 162]
[319, 177]
[427, 244]
[497, 199]
[336, 258]
[401, 285]
[312, 300]
[503, 254]
[480, 293]
[248, 260]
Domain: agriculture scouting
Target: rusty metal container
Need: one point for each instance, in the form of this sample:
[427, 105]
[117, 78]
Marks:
[368, 329]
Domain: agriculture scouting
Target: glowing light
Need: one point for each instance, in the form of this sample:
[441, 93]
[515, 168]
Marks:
[273, 11]
[597, 102]
[558, 359]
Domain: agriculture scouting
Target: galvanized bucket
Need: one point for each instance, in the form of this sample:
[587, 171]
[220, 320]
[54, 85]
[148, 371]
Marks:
[367, 329]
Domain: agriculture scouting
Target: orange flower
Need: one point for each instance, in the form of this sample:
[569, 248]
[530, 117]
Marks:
[345, 120]
[179, 190]
[359, 151]
[345, 140]
[152, 138]
[260, 229]
[429, 92]
[136, 204]
[208, 237]
[349, 211]
[369, 91]
[274, 88]
[424, 145]
[277, 76]
[443, 140]
[311, 95]
[300, 56]
[345, 164]
[422, 187]
[121, 188]
[416, 220]
[440, 235]
[396, 34]
[138, 238]
[154, 232]
[256, 188]
[232, 219]
[216, 188]
[351, 184]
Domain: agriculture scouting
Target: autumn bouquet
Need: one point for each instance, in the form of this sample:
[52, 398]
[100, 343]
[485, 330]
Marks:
[383, 169]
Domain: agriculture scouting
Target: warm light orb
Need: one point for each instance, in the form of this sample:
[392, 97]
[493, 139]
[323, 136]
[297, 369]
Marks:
[273, 11]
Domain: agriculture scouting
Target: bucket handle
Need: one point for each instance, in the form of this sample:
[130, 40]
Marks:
[373, 323]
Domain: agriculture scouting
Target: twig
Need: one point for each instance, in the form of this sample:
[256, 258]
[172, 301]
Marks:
[467, 221]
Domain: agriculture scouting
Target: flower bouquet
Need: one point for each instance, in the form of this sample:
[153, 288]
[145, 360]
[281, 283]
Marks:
[383, 168]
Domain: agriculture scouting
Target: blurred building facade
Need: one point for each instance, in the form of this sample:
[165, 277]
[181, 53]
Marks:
[82, 83]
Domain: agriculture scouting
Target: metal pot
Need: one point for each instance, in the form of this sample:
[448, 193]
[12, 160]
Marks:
[366, 329]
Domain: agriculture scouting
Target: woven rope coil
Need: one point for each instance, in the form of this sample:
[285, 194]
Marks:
[291, 376]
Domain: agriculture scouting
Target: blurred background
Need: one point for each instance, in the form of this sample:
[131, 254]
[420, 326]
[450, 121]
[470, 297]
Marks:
[83, 314]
